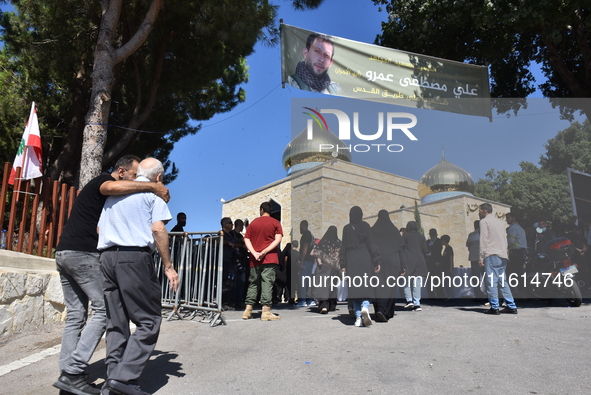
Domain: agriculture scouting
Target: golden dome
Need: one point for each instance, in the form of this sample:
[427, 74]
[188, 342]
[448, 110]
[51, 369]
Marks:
[301, 153]
[444, 180]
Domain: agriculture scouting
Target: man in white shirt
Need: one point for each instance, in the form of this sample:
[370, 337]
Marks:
[493, 257]
[130, 228]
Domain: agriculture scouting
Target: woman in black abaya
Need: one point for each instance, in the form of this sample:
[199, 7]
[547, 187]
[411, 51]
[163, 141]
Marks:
[388, 239]
[415, 268]
[327, 266]
[360, 258]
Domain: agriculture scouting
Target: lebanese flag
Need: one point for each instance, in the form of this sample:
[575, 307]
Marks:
[30, 153]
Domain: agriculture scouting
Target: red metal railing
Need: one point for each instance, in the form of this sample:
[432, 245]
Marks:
[37, 212]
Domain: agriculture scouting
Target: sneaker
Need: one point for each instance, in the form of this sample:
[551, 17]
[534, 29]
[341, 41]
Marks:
[417, 308]
[302, 304]
[312, 304]
[366, 317]
[75, 384]
[359, 322]
[324, 310]
[409, 305]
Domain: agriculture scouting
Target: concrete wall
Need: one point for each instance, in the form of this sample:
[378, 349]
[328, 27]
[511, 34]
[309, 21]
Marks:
[30, 292]
[346, 185]
[455, 217]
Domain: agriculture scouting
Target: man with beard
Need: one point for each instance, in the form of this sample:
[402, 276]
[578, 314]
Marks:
[311, 74]
[181, 221]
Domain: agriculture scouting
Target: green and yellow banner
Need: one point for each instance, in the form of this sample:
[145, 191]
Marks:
[336, 66]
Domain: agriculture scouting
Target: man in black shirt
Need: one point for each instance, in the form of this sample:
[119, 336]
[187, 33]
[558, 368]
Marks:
[241, 263]
[434, 262]
[77, 260]
[447, 266]
[181, 221]
[305, 298]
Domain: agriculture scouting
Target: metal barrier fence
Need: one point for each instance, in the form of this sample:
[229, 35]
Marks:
[198, 259]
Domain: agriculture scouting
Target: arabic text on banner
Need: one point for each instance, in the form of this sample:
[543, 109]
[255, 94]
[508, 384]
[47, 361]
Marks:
[369, 72]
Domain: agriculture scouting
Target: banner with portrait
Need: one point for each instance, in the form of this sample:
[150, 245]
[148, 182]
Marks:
[337, 66]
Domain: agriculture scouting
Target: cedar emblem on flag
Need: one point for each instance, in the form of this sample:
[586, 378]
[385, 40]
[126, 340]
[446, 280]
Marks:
[30, 153]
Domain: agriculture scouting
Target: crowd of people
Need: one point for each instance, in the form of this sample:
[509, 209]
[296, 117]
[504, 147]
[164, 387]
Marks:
[496, 250]
[112, 271]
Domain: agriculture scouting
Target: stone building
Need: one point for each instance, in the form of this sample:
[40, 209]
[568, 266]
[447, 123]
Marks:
[321, 187]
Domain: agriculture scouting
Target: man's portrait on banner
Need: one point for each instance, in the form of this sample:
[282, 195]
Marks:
[311, 74]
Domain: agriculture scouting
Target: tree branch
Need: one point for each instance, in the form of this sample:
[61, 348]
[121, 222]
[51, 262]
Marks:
[561, 68]
[161, 54]
[141, 34]
[140, 116]
[583, 42]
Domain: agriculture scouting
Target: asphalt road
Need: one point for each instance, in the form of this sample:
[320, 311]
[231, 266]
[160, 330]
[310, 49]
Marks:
[445, 349]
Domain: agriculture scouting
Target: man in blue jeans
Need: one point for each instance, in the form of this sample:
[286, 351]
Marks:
[77, 261]
[493, 257]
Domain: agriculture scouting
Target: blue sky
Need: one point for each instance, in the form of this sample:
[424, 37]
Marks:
[239, 151]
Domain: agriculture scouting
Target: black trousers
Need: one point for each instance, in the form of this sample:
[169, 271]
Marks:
[132, 293]
[515, 268]
[516, 261]
[476, 271]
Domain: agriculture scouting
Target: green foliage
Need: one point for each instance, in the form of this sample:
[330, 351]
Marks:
[189, 69]
[42, 62]
[570, 148]
[493, 186]
[533, 193]
[13, 109]
[542, 192]
[507, 35]
[306, 4]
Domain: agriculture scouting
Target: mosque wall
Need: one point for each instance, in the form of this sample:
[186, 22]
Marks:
[247, 206]
[401, 217]
[455, 217]
[307, 202]
[324, 195]
[346, 185]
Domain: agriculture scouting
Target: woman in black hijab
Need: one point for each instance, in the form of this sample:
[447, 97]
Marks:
[360, 259]
[390, 242]
[327, 266]
[415, 250]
